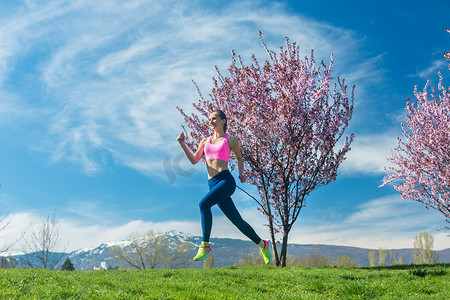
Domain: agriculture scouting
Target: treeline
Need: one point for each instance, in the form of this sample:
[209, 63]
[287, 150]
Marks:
[380, 258]
[423, 253]
[312, 261]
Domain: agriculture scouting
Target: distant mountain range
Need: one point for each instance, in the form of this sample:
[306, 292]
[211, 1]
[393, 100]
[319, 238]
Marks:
[229, 251]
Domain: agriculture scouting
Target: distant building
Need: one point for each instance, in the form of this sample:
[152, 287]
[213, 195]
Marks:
[8, 262]
[102, 266]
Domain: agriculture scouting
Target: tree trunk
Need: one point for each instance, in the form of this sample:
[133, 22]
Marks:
[284, 248]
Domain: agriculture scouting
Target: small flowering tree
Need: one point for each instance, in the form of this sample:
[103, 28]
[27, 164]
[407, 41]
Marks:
[288, 120]
[422, 161]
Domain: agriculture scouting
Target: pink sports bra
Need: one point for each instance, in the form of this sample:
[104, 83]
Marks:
[217, 151]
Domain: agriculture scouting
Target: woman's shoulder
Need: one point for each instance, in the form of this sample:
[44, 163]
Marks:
[204, 140]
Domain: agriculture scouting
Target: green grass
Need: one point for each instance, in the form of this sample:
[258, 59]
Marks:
[410, 282]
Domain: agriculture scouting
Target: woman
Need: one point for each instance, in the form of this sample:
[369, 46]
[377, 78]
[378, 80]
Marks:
[221, 183]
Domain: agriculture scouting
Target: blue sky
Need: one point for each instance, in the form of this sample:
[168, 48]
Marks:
[88, 119]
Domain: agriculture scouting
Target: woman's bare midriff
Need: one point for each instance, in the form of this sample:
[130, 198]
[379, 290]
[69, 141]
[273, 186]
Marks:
[216, 166]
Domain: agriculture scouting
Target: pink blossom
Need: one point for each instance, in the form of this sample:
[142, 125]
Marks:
[421, 170]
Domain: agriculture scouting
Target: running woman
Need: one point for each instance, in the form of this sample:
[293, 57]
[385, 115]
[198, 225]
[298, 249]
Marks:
[217, 149]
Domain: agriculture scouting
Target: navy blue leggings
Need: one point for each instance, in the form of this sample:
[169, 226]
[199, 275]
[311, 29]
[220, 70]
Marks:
[221, 187]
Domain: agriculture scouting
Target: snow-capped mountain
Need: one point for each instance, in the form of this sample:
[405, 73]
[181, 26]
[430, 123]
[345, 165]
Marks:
[92, 258]
[227, 252]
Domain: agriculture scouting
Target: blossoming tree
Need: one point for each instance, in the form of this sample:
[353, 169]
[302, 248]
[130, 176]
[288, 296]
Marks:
[422, 160]
[289, 119]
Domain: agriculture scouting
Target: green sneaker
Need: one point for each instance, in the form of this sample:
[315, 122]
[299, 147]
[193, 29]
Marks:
[203, 252]
[266, 252]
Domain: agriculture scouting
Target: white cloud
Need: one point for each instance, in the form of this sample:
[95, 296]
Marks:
[431, 71]
[368, 153]
[112, 74]
[94, 235]
[389, 222]
[77, 236]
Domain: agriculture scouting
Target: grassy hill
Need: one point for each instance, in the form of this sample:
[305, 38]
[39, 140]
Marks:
[399, 282]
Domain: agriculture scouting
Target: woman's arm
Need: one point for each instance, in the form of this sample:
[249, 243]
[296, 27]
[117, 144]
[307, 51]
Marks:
[193, 158]
[234, 146]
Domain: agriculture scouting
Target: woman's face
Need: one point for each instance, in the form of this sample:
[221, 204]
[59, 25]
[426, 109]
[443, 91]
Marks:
[215, 122]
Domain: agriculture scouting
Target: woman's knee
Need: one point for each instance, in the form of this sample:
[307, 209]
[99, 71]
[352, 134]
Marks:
[204, 205]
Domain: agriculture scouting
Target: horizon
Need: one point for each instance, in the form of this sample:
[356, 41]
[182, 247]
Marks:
[124, 241]
[88, 117]
[246, 240]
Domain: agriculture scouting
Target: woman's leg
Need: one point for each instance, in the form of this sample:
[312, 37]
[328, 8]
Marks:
[222, 190]
[230, 210]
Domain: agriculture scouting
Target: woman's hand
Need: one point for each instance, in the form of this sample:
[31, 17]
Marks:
[242, 178]
[181, 138]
